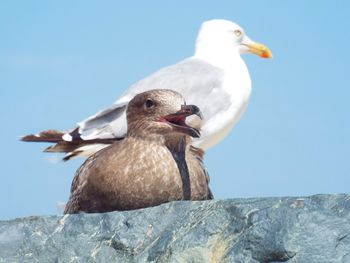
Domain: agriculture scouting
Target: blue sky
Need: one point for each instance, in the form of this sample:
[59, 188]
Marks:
[61, 61]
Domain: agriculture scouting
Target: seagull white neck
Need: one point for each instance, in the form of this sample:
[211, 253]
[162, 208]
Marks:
[224, 58]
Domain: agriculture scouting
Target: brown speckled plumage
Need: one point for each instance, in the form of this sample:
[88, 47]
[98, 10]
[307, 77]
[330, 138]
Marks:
[140, 170]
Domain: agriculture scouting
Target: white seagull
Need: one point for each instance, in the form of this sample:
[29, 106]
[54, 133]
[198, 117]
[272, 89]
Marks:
[215, 78]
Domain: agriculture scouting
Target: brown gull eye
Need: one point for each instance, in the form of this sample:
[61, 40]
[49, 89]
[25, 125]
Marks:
[237, 32]
[149, 103]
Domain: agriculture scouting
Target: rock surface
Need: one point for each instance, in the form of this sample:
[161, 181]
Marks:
[310, 229]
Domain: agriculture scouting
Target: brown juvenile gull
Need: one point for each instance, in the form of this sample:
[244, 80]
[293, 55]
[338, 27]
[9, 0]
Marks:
[154, 164]
[216, 71]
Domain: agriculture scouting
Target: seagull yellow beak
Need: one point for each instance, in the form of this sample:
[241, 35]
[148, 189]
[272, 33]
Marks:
[259, 49]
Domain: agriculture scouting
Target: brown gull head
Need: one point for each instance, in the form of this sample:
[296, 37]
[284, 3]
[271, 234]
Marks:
[160, 112]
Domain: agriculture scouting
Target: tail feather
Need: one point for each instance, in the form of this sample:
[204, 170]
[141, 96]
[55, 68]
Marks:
[71, 155]
[76, 147]
[62, 147]
[44, 136]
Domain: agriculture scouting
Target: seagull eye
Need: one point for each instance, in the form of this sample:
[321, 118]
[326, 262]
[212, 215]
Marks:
[149, 103]
[237, 32]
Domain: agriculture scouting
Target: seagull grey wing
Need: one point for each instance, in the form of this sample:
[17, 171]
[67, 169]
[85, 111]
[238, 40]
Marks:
[195, 79]
[94, 133]
[108, 123]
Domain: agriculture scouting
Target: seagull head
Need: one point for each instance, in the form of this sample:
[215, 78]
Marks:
[225, 38]
[160, 112]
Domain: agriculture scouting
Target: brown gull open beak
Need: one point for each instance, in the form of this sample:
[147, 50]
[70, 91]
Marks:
[178, 120]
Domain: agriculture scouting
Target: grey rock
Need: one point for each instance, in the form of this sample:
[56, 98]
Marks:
[288, 229]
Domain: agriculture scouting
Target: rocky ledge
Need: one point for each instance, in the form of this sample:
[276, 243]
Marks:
[307, 229]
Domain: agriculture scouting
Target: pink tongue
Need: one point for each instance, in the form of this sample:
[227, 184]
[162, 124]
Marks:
[176, 120]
